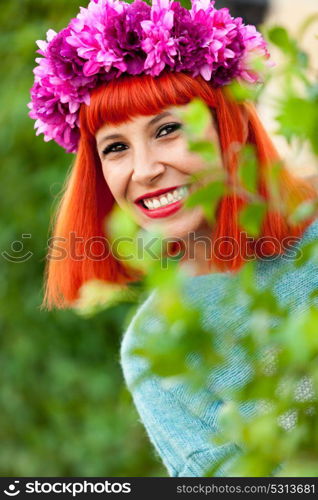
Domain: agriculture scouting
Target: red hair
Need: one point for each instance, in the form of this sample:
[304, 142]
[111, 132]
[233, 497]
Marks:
[87, 199]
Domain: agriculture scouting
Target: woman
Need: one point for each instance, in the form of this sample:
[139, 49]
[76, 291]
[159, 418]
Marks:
[109, 88]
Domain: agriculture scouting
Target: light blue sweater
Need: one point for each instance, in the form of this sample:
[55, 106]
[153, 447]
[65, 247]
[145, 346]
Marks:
[180, 423]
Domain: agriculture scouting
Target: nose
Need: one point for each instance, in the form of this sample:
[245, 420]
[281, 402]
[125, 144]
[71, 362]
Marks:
[147, 168]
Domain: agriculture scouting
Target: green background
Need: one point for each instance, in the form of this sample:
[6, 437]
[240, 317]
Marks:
[65, 410]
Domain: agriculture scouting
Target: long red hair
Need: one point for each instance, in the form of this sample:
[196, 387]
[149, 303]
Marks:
[86, 199]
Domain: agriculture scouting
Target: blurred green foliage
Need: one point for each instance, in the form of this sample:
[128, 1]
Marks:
[297, 115]
[64, 408]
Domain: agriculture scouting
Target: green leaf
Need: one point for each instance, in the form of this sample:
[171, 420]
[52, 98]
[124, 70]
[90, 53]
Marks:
[297, 117]
[299, 338]
[251, 217]
[97, 295]
[308, 251]
[303, 211]
[247, 277]
[121, 223]
[280, 37]
[241, 91]
[197, 117]
[204, 148]
[207, 196]
[186, 4]
[248, 169]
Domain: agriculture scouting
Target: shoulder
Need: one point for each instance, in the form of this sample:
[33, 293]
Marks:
[144, 321]
[294, 275]
[311, 232]
[144, 316]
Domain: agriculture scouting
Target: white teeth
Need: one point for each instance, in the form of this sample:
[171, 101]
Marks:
[163, 200]
[167, 199]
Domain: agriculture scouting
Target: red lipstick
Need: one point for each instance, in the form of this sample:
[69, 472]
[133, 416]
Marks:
[156, 193]
[163, 211]
[155, 213]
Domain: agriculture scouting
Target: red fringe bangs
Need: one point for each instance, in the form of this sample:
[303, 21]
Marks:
[123, 99]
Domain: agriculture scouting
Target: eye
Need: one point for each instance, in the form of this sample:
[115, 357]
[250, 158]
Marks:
[109, 149]
[170, 126]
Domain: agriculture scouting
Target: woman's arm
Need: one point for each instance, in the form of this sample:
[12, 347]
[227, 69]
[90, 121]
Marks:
[182, 439]
[179, 423]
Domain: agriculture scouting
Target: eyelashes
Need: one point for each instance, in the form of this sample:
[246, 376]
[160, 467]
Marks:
[109, 149]
[174, 126]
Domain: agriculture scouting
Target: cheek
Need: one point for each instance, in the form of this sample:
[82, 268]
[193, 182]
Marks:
[196, 163]
[116, 182]
[187, 161]
[177, 154]
[192, 163]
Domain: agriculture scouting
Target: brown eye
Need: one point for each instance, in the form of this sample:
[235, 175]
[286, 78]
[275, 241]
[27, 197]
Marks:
[109, 149]
[171, 127]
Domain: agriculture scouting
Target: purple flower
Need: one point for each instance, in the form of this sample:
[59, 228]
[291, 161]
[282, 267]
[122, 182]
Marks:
[221, 46]
[158, 43]
[56, 97]
[191, 37]
[125, 33]
[88, 36]
[53, 119]
[63, 57]
[255, 46]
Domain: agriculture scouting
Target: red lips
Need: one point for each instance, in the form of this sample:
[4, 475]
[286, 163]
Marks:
[155, 213]
[156, 193]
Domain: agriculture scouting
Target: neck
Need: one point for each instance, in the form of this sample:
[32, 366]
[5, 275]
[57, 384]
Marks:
[196, 259]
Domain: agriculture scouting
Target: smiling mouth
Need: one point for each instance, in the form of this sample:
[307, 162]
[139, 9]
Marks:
[165, 199]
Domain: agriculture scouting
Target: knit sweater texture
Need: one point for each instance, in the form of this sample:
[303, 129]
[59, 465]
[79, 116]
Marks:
[181, 423]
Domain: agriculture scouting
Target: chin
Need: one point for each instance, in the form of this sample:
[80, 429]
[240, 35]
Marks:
[180, 226]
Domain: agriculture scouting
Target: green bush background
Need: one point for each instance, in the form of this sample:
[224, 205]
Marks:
[65, 410]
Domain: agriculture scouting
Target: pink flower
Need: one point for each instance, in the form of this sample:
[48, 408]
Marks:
[255, 46]
[158, 43]
[87, 36]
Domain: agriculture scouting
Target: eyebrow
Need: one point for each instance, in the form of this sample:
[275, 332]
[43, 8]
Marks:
[151, 122]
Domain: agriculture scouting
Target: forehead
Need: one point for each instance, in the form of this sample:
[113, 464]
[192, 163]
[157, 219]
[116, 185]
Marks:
[108, 132]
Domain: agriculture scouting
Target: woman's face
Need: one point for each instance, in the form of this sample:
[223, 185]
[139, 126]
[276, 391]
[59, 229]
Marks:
[147, 164]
